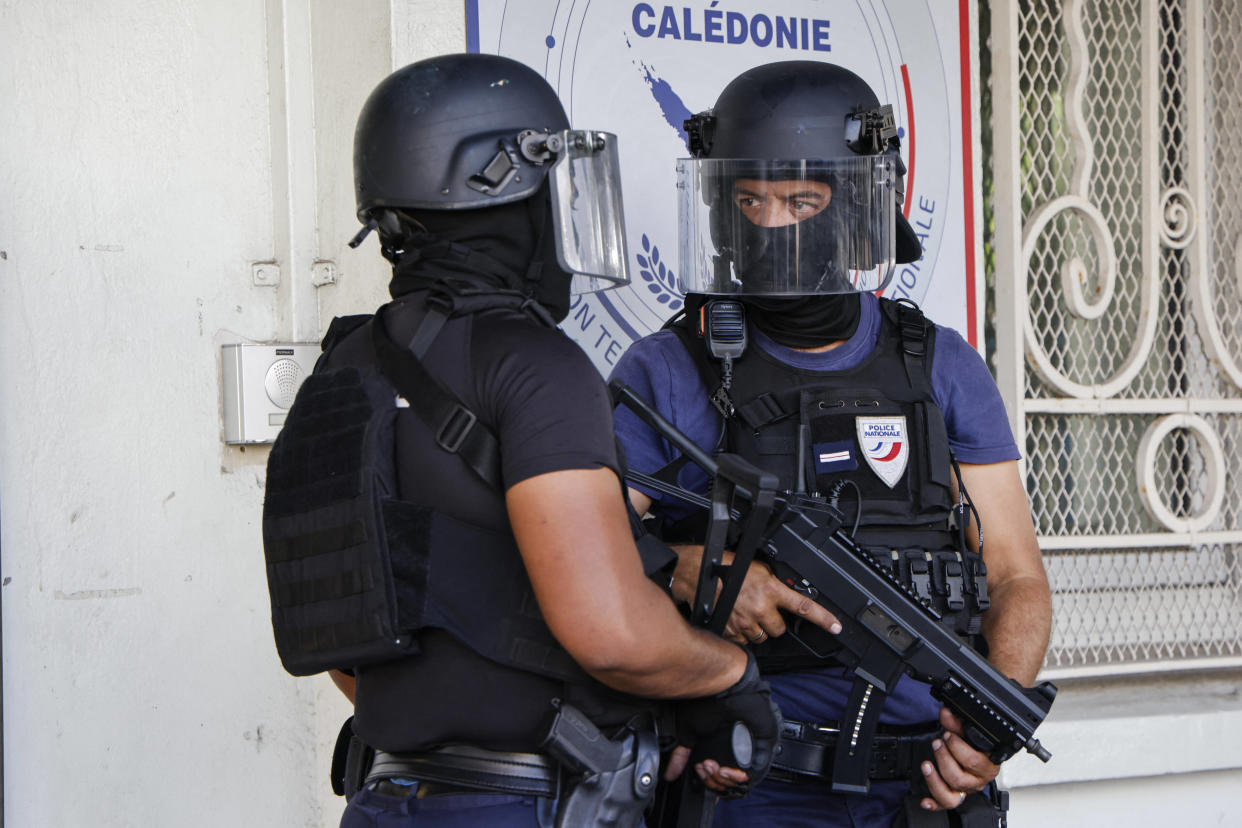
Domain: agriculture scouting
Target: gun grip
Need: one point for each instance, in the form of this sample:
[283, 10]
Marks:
[981, 742]
[575, 741]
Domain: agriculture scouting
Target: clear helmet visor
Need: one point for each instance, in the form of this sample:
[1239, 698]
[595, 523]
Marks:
[586, 209]
[797, 228]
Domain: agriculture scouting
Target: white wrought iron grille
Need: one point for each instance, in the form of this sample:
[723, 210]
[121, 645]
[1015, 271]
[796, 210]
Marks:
[1116, 243]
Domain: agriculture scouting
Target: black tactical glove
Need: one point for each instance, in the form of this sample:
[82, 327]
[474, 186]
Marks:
[738, 727]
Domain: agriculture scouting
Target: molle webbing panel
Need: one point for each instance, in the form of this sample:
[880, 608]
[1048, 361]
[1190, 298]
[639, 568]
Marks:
[329, 571]
[354, 572]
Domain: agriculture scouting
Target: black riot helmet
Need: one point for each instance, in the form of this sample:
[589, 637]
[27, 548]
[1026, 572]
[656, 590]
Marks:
[433, 135]
[795, 186]
[473, 132]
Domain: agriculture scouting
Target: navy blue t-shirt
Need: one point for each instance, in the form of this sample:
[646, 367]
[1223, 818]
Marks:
[659, 369]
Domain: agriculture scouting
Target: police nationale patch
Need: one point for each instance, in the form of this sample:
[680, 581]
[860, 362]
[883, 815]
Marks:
[885, 445]
[834, 457]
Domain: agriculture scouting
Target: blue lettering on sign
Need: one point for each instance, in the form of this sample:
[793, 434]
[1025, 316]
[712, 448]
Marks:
[712, 25]
[668, 24]
[606, 342]
[921, 222]
[786, 31]
[820, 36]
[641, 29]
[712, 17]
[756, 23]
[929, 209]
[688, 26]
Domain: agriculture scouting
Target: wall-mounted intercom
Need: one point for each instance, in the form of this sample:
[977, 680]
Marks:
[260, 382]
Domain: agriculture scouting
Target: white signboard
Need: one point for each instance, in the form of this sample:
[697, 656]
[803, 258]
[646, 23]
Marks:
[640, 69]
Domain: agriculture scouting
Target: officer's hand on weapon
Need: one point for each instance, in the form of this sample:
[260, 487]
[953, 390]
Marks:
[756, 615]
[959, 769]
[708, 733]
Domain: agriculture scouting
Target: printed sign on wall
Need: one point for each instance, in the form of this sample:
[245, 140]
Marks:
[641, 69]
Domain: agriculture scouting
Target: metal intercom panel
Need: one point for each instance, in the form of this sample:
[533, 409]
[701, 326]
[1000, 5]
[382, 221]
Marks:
[259, 383]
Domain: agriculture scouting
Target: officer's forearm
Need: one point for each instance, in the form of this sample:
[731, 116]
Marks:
[675, 661]
[686, 573]
[1018, 626]
[588, 578]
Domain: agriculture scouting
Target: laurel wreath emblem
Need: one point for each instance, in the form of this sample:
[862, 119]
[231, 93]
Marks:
[660, 279]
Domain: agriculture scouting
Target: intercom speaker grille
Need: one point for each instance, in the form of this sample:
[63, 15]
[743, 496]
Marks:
[282, 381]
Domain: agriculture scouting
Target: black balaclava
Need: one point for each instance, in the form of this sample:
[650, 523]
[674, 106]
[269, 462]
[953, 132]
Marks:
[805, 321]
[764, 251]
[822, 260]
[510, 246]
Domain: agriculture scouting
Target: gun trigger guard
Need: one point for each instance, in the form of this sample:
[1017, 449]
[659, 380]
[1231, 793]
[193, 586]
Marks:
[794, 626]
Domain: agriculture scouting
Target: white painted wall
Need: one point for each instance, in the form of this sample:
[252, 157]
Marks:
[1153, 750]
[150, 152]
[1200, 800]
[137, 184]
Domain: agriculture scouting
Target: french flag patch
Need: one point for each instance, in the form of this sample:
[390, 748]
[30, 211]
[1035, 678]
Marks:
[834, 457]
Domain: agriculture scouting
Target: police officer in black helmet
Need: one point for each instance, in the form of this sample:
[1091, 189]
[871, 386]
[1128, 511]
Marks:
[509, 535]
[790, 220]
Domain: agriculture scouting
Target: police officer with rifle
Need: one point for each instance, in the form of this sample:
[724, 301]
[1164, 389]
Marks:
[445, 524]
[892, 425]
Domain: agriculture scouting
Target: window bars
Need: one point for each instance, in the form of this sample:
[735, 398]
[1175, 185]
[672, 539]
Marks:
[1116, 247]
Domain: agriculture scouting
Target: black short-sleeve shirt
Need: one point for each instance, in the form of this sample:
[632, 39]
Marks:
[549, 409]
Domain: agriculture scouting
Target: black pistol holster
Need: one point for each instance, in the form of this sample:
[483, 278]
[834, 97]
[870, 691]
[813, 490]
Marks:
[351, 759]
[611, 781]
[594, 780]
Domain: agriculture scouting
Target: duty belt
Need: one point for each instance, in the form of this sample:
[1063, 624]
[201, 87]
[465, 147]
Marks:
[471, 768]
[805, 751]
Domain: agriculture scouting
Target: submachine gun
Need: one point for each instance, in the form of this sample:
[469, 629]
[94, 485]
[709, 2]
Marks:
[886, 628]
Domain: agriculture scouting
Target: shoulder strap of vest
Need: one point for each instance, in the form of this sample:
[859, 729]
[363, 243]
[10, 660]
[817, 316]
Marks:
[339, 328]
[917, 336]
[456, 428]
[460, 296]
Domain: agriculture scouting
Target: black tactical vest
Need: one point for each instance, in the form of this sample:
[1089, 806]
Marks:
[871, 441]
[355, 572]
